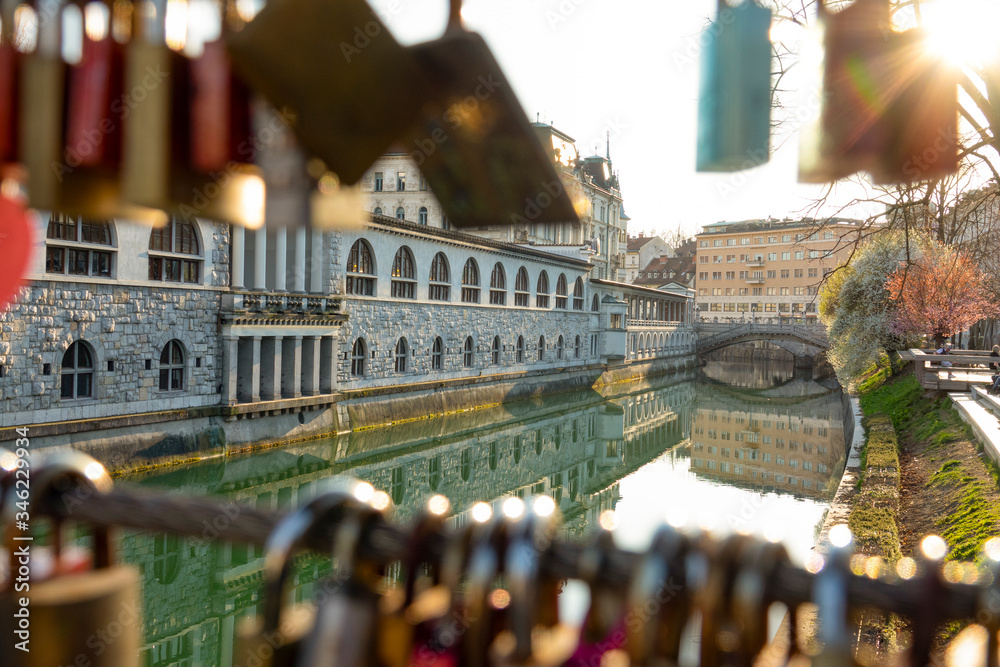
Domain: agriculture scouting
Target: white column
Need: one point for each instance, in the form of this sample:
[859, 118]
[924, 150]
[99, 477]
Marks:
[237, 257]
[230, 362]
[255, 371]
[316, 263]
[291, 366]
[310, 366]
[260, 260]
[280, 255]
[299, 267]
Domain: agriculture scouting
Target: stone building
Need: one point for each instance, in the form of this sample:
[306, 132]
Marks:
[768, 269]
[142, 344]
[395, 188]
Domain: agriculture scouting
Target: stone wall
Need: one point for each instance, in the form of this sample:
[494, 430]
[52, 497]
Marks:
[127, 324]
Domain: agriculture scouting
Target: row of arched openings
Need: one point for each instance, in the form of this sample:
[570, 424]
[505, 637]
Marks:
[79, 366]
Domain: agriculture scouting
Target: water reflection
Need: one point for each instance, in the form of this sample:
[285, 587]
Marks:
[684, 444]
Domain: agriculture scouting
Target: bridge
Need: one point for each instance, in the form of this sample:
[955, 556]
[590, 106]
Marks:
[796, 338]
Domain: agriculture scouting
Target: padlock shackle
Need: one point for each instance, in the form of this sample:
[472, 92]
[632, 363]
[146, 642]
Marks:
[454, 16]
[287, 538]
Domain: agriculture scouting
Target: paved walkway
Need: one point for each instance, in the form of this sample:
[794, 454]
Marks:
[982, 412]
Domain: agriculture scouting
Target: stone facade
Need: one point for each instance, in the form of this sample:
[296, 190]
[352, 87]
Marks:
[125, 319]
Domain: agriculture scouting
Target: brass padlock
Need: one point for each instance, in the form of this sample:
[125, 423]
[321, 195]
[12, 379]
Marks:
[89, 618]
[473, 142]
[156, 166]
[276, 639]
[327, 65]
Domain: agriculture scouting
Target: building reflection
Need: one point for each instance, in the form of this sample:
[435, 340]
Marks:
[574, 448]
[792, 441]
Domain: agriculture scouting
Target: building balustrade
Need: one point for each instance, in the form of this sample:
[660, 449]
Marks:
[755, 281]
[755, 263]
[272, 302]
[656, 324]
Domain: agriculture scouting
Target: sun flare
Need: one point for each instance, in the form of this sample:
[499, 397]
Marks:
[963, 31]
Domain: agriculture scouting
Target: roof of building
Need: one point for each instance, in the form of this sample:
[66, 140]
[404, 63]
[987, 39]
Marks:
[662, 270]
[689, 247]
[449, 235]
[637, 242]
[787, 223]
[627, 286]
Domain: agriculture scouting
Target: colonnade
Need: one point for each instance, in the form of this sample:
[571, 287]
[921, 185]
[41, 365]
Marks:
[269, 266]
[658, 310]
[270, 368]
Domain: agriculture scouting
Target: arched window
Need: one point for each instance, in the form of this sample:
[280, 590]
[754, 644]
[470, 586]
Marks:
[576, 348]
[467, 355]
[470, 282]
[437, 354]
[559, 348]
[402, 352]
[166, 558]
[561, 291]
[172, 367]
[63, 254]
[171, 248]
[595, 305]
[498, 285]
[578, 294]
[404, 279]
[378, 210]
[521, 294]
[520, 350]
[542, 293]
[496, 350]
[78, 371]
[541, 348]
[361, 269]
[398, 485]
[422, 215]
[359, 356]
[440, 283]
[400, 213]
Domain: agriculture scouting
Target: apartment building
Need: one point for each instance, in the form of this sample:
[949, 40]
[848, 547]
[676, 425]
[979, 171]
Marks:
[768, 269]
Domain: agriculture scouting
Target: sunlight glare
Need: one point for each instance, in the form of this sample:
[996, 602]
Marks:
[962, 31]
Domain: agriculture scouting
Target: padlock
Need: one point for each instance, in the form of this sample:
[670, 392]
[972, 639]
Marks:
[533, 635]
[734, 103]
[79, 178]
[850, 133]
[345, 630]
[10, 66]
[325, 65]
[156, 166]
[90, 617]
[397, 633]
[922, 118]
[221, 124]
[473, 143]
[276, 639]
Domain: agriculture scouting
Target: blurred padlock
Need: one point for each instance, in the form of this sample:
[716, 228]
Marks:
[277, 638]
[91, 618]
[220, 105]
[734, 103]
[157, 171]
[328, 66]
[9, 84]
[850, 134]
[922, 118]
[473, 142]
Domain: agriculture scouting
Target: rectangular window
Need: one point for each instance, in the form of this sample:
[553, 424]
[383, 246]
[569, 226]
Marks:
[785, 273]
[758, 291]
[703, 259]
[717, 259]
[785, 256]
[730, 258]
[772, 239]
[703, 275]
[814, 273]
[770, 291]
[827, 236]
[772, 256]
[55, 260]
[730, 307]
[703, 244]
[401, 181]
[799, 254]
[745, 241]
[717, 275]
[798, 273]
[378, 181]
[616, 321]
[744, 275]
[716, 291]
[784, 291]
[772, 274]
[744, 291]
[717, 243]
[813, 254]
[730, 275]
[730, 241]
[785, 238]
[729, 291]
[499, 297]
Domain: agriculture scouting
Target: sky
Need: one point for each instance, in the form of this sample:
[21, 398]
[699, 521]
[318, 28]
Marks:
[631, 68]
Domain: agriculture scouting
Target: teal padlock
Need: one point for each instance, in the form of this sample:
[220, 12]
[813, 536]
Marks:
[734, 102]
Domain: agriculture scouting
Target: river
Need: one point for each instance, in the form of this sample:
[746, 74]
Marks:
[733, 446]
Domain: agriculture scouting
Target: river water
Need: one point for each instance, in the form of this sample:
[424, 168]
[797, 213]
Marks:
[732, 446]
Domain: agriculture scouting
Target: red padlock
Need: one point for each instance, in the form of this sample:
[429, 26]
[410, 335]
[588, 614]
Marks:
[93, 128]
[220, 104]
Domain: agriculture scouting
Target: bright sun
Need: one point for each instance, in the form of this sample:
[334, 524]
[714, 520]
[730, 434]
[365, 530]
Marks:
[964, 31]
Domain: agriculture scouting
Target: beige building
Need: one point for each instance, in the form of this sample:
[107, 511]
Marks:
[768, 269]
[640, 251]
